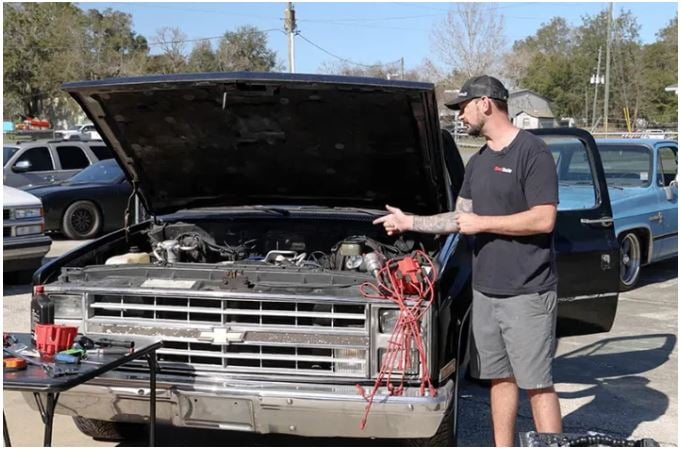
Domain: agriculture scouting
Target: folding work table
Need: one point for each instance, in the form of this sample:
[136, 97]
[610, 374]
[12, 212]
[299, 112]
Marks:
[35, 379]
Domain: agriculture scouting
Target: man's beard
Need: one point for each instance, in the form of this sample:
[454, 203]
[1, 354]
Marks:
[474, 130]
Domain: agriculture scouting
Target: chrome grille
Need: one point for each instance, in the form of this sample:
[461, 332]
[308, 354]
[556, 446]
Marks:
[278, 336]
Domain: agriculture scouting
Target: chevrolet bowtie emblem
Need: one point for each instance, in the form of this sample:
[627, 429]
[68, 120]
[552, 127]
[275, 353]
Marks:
[222, 336]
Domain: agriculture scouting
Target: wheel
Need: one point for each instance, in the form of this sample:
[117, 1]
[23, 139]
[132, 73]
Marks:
[443, 437]
[82, 220]
[630, 261]
[109, 431]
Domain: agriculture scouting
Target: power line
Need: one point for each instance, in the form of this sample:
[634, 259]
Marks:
[182, 41]
[370, 19]
[345, 59]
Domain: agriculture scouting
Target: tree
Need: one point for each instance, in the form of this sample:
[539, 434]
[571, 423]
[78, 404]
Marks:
[171, 41]
[245, 50]
[202, 58]
[470, 39]
[659, 69]
[110, 47]
[37, 38]
[553, 38]
[47, 44]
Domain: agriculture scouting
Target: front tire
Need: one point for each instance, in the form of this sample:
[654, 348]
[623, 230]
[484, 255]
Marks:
[630, 261]
[109, 431]
[82, 220]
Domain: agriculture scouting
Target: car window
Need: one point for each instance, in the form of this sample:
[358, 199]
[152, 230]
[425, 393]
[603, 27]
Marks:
[72, 157]
[576, 185]
[88, 128]
[102, 152]
[107, 171]
[39, 157]
[7, 153]
[668, 165]
[626, 165]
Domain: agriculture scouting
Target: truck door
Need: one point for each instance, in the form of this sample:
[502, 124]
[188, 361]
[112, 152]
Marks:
[666, 243]
[587, 252]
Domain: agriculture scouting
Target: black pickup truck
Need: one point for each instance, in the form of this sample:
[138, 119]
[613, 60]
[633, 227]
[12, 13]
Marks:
[262, 189]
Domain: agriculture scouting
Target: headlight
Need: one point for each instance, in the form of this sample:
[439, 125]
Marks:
[412, 365]
[350, 361]
[29, 229]
[387, 318]
[27, 213]
[67, 306]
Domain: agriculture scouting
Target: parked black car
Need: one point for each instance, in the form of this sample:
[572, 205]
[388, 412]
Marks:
[91, 202]
[263, 188]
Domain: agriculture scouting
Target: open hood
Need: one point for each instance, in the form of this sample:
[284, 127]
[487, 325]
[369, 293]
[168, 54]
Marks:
[231, 139]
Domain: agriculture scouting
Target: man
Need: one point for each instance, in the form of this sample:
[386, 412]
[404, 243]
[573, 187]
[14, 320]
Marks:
[508, 202]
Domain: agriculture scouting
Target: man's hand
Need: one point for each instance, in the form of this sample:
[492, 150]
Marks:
[396, 222]
[469, 223]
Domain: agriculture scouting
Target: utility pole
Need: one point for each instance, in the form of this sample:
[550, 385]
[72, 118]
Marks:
[586, 105]
[595, 81]
[402, 68]
[607, 71]
[290, 27]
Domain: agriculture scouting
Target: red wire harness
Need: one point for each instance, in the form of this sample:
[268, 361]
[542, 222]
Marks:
[407, 281]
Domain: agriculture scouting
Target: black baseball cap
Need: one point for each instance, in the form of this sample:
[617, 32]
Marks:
[476, 87]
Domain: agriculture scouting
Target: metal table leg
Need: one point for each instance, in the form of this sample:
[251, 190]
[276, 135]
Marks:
[151, 360]
[47, 414]
[5, 430]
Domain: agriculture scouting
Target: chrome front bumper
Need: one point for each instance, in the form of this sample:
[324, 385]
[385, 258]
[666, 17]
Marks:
[260, 407]
[27, 247]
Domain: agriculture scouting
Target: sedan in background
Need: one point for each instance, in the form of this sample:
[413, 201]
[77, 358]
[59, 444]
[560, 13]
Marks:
[91, 202]
[641, 177]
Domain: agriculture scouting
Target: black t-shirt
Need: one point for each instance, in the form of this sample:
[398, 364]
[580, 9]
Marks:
[499, 183]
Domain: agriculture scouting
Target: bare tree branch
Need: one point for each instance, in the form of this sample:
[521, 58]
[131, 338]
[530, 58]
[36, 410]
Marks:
[470, 39]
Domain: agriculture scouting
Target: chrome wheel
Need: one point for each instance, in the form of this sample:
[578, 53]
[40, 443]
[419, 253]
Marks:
[630, 261]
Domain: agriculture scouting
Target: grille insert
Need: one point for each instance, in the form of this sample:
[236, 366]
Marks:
[278, 336]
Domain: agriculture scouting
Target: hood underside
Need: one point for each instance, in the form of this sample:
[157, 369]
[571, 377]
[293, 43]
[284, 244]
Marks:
[260, 138]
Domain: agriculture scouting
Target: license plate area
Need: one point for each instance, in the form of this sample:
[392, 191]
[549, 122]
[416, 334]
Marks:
[224, 413]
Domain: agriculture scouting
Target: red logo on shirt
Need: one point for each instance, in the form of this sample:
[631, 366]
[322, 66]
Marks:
[502, 169]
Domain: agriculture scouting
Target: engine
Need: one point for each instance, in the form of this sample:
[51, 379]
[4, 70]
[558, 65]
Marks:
[189, 243]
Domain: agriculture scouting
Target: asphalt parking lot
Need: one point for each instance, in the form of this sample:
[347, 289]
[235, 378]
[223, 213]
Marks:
[623, 383]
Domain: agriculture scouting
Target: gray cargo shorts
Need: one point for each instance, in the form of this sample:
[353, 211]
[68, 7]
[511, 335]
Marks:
[514, 337]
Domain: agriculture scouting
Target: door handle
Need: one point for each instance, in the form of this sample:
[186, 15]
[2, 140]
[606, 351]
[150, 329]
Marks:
[656, 218]
[604, 221]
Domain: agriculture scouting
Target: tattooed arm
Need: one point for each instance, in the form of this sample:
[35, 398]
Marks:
[444, 223]
[397, 222]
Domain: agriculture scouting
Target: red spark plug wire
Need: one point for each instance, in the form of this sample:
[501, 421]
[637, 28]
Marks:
[413, 293]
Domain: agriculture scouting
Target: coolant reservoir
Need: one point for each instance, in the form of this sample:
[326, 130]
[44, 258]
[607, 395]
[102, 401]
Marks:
[134, 257]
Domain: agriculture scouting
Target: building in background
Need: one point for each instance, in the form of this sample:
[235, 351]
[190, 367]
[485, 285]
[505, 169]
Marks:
[527, 109]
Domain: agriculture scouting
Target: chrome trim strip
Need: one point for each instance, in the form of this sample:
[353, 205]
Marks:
[586, 297]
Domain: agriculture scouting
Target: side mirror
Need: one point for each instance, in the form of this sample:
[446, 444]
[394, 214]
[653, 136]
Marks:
[672, 190]
[22, 166]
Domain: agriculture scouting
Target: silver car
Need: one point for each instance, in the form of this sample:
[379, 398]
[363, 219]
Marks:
[45, 161]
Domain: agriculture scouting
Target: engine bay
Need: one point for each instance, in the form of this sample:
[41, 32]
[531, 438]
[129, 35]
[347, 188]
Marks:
[303, 244]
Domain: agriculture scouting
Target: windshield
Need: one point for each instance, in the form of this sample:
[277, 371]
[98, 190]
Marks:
[626, 165]
[7, 153]
[106, 172]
